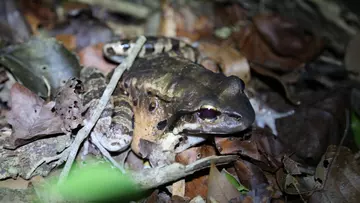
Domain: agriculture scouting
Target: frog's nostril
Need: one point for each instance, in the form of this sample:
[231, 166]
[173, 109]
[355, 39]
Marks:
[236, 117]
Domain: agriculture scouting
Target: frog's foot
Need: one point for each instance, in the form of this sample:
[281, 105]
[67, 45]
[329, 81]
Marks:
[115, 140]
[268, 119]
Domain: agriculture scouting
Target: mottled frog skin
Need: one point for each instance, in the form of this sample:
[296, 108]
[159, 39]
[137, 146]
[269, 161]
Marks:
[167, 92]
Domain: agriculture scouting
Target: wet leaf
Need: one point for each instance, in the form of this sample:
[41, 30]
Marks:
[30, 117]
[219, 188]
[41, 64]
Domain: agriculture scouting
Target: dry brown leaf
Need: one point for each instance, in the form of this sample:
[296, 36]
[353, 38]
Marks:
[93, 56]
[196, 185]
[30, 117]
[219, 188]
[231, 61]
[68, 40]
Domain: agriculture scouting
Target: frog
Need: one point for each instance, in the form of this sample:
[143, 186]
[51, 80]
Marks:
[167, 92]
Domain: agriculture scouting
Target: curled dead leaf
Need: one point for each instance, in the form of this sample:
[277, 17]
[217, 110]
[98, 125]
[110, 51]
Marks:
[30, 117]
[231, 61]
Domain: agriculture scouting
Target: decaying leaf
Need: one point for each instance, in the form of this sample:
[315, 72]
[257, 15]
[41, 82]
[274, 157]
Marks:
[69, 104]
[30, 117]
[219, 188]
[338, 173]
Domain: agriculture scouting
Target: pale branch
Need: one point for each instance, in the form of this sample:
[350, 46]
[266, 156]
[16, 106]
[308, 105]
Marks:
[105, 153]
[84, 132]
[154, 177]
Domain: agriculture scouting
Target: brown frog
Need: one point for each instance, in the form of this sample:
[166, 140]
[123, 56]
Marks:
[169, 93]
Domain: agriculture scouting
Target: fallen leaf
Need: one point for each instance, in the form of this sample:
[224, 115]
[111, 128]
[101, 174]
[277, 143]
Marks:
[287, 38]
[43, 60]
[197, 184]
[234, 182]
[30, 117]
[93, 56]
[259, 145]
[219, 188]
[229, 59]
[69, 104]
[338, 173]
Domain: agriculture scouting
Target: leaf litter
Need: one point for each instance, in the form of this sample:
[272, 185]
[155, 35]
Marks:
[294, 74]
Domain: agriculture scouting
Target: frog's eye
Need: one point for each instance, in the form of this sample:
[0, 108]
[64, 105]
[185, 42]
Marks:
[208, 112]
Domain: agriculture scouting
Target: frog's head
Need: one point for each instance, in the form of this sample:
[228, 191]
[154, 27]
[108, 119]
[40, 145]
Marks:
[221, 109]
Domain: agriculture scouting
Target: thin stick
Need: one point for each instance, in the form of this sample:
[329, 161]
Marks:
[84, 132]
[105, 153]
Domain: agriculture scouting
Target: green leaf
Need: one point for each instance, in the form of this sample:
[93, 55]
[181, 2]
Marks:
[234, 182]
[101, 182]
[355, 126]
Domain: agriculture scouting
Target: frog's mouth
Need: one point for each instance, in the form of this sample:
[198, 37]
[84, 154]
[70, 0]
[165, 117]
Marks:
[209, 120]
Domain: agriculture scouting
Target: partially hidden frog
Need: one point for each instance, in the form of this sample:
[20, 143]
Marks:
[170, 93]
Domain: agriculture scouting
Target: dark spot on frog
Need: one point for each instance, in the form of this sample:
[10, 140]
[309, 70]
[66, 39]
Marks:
[152, 106]
[69, 111]
[326, 163]
[135, 101]
[161, 125]
[70, 107]
[35, 111]
[110, 51]
[74, 118]
[53, 109]
[44, 68]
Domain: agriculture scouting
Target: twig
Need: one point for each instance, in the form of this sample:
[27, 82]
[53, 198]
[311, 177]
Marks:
[84, 132]
[155, 177]
[105, 153]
